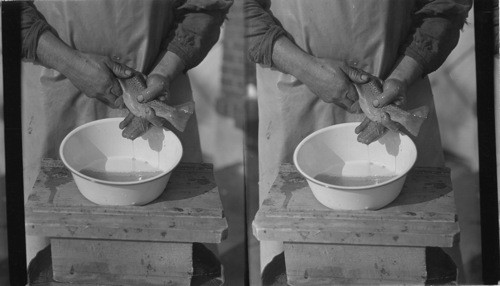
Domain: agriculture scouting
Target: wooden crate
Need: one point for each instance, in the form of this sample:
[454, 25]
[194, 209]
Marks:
[126, 245]
[387, 246]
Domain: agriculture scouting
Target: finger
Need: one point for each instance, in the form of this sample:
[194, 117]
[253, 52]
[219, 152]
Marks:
[150, 93]
[378, 131]
[355, 108]
[385, 98]
[116, 89]
[400, 101]
[362, 126]
[372, 132]
[119, 102]
[125, 122]
[164, 96]
[136, 128]
[344, 103]
[119, 70]
[108, 99]
[381, 102]
[352, 93]
[365, 137]
[387, 122]
[356, 75]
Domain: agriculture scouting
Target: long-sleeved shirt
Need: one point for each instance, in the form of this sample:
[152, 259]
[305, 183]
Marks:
[435, 31]
[196, 29]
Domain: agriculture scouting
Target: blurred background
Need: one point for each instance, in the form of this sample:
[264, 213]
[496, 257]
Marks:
[223, 86]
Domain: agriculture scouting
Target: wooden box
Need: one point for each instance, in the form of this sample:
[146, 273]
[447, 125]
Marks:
[398, 244]
[126, 245]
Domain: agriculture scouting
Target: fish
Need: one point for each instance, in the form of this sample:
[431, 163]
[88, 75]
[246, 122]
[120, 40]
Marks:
[411, 120]
[177, 115]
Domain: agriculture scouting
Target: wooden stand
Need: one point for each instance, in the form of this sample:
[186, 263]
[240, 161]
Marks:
[125, 245]
[399, 244]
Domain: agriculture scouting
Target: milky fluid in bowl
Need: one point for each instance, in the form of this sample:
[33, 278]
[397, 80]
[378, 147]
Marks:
[356, 173]
[120, 169]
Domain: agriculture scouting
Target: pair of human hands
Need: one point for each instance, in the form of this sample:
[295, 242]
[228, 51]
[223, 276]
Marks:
[97, 77]
[334, 83]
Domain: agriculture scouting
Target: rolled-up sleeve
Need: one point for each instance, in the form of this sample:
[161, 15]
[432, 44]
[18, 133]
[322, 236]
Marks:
[262, 31]
[198, 29]
[33, 24]
[436, 30]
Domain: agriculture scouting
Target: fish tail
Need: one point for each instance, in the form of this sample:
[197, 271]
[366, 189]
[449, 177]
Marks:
[414, 121]
[185, 108]
[178, 115]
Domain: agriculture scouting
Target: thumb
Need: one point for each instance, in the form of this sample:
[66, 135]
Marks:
[387, 97]
[119, 70]
[356, 75]
[150, 93]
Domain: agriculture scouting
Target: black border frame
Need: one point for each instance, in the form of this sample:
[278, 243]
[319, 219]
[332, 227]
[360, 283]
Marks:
[485, 53]
[11, 46]
[484, 11]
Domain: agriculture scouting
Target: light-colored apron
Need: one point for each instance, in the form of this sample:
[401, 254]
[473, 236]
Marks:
[129, 31]
[365, 33]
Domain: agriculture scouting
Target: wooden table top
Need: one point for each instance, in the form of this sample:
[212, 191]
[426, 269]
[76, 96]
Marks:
[422, 215]
[189, 210]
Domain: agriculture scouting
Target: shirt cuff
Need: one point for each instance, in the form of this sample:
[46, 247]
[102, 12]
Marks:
[432, 43]
[184, 48]
[420, 57]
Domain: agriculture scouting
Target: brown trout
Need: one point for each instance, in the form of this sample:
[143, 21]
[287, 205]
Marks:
[411, 120]
[178, 115]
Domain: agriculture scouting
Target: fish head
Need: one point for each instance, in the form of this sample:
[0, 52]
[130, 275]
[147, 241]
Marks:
[131, 88]
[367, 93]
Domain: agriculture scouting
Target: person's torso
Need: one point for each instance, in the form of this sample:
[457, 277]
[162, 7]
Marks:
[130, 31]
[366, 32]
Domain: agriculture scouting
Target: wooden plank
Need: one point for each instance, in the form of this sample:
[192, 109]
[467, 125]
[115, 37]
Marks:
[327, 281]
[189, 210]
[191, 191]
[128, 228]
[356, 232]
[423, 215]
[121, 262]
[322, 264]
[167, 282]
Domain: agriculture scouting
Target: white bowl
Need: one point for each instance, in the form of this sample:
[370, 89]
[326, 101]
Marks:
[332, 158]
[98, 150]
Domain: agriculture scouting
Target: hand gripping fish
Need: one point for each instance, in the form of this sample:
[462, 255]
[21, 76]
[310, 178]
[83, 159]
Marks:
[178, 115]
[411, 120]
